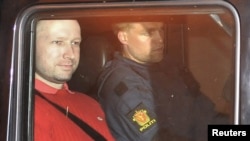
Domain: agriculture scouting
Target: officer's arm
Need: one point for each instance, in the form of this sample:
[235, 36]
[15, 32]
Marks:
[130, 112]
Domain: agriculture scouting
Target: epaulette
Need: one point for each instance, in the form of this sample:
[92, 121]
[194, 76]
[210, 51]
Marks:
[121, 88]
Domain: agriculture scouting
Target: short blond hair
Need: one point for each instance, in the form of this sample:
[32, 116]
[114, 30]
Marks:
[121, 27]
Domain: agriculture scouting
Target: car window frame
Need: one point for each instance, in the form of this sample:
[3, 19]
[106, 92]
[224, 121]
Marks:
[20, 114]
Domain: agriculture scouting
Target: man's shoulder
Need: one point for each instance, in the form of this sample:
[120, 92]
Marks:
[123, 74]
[117, 64]
[116, 70]
[119, 78]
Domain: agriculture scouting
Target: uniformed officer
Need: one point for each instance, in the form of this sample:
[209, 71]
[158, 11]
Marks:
[143, 94]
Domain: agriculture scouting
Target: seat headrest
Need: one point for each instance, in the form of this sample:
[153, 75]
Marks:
[95, 52]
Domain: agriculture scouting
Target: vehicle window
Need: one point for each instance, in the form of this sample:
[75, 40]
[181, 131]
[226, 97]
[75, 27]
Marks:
[201, 41]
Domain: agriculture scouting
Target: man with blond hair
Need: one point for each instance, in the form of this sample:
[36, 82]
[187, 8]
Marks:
[61, 114]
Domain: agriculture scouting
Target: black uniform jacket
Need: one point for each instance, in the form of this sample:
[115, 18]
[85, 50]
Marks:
[154, 102]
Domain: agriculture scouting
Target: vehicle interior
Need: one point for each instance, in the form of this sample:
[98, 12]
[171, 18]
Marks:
[201, 42]
[201, 38]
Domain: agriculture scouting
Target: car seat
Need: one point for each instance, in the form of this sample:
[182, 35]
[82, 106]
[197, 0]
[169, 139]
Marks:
[96, 50]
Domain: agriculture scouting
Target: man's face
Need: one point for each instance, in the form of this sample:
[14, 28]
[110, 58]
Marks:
[57, 49]
[143, 42]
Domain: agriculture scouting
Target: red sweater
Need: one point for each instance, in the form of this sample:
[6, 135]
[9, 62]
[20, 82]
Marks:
[53, 125]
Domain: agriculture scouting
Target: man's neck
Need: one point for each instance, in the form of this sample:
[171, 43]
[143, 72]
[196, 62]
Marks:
[52, 84]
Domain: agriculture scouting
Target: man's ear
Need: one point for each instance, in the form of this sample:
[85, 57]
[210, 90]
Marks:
[122, 36]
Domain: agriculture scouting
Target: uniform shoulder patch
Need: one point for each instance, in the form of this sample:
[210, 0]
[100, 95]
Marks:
[121, 88]
[141, 118]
